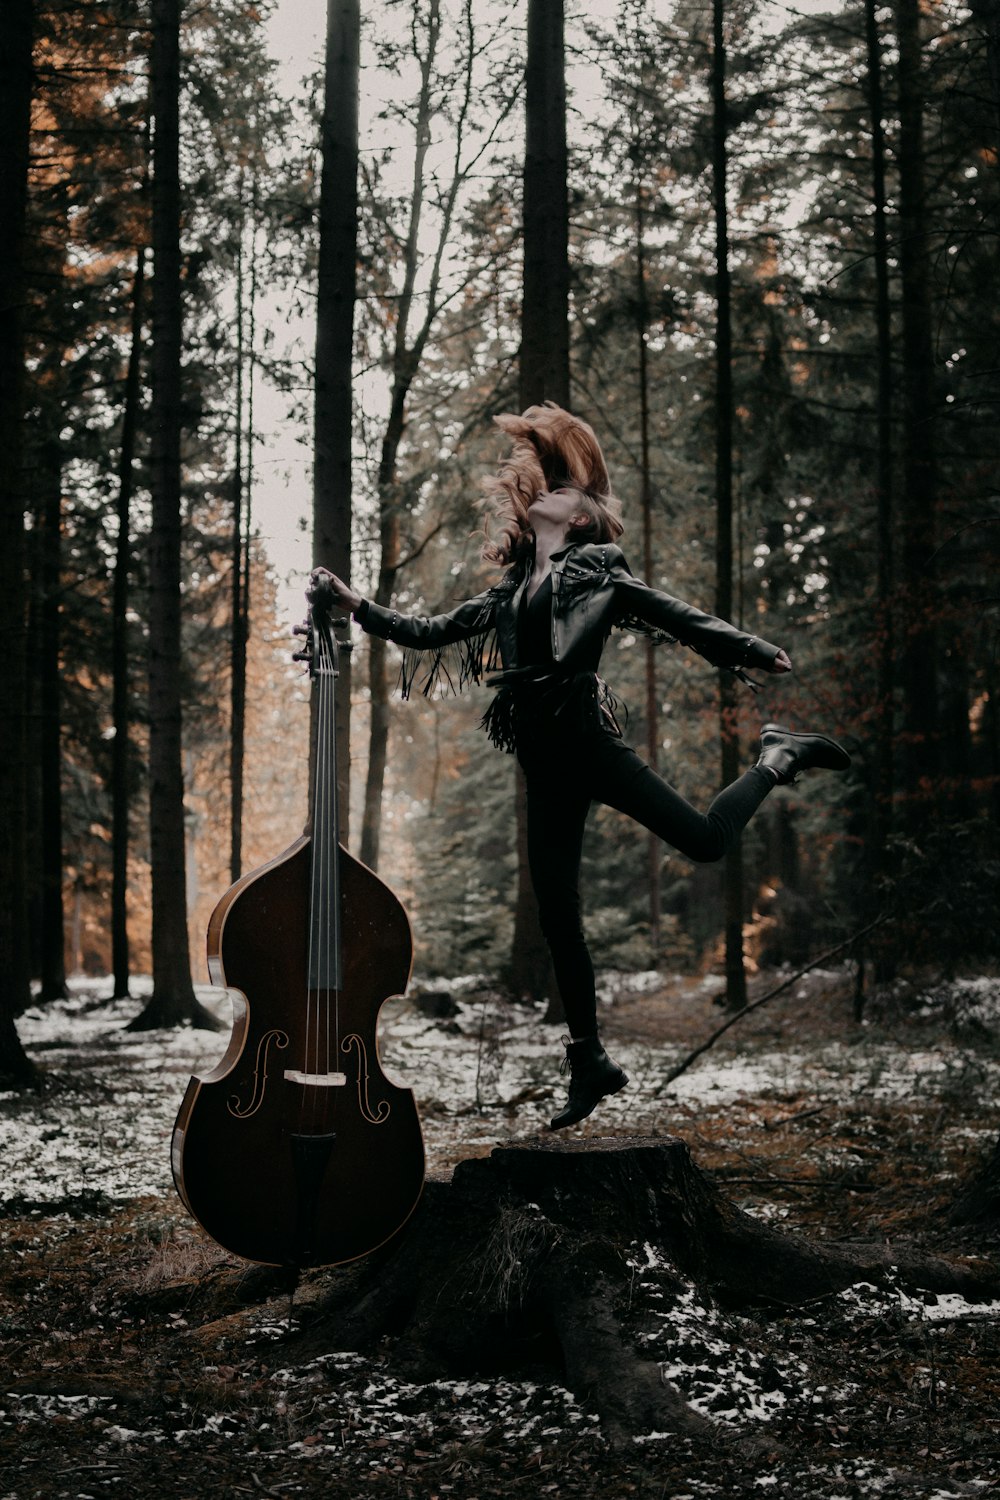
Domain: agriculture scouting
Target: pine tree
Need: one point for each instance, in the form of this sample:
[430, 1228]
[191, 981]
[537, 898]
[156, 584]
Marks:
[415, 296]
[333, 413]
[15, 115]
[121, 697]
[173, 1000]
[543, 366]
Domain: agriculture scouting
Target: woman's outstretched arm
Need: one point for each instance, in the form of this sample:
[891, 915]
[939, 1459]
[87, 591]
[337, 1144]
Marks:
[416, 632]
[718, 641]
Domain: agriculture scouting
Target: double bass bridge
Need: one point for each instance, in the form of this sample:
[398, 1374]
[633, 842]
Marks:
[316, 1080]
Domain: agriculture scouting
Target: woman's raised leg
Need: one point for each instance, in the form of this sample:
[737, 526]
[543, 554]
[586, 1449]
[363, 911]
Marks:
[622, 779]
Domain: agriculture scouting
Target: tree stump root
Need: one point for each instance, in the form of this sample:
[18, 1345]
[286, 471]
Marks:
[525, 1260]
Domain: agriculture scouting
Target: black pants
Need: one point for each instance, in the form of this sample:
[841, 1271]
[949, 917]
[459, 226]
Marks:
[565, 775]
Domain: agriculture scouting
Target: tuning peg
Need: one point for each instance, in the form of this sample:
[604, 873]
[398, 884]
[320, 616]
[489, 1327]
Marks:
[302, 656]
[300, 630]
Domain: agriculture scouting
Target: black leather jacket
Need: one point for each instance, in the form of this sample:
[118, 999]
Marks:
[593, 590]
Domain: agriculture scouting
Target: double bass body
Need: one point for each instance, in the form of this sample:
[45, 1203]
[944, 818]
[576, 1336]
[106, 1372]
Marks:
[296, 1149]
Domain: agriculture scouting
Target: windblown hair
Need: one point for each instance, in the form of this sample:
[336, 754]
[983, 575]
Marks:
[552, 450]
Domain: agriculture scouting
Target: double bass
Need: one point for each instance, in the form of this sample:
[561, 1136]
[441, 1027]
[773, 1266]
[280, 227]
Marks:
[295, 1149]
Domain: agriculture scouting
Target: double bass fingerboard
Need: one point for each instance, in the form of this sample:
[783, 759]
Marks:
[324, 895]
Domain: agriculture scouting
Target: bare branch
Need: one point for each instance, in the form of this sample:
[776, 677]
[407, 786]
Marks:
[683, 1066]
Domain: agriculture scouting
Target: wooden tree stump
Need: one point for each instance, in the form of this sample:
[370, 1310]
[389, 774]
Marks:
[979, 1199]
[522, 1261]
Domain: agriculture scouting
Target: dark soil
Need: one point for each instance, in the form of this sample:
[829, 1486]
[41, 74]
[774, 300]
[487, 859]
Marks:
[140, 1360]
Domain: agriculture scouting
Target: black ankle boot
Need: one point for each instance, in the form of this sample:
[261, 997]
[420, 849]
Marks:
[786, 754]
[592, 1076]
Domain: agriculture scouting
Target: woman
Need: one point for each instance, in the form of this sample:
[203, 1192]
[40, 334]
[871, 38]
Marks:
[545, 622]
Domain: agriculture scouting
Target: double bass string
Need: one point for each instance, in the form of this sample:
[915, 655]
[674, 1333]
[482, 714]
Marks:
[318, 955]
[327, 1005]
[333, 1056]
[330, 891]
[311, 947]
[321, 1064]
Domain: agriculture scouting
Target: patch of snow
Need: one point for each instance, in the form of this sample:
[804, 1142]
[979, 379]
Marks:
[864, 1300]
[486, 1076]
[613, 983]
[974, 1000]
[708, 1355]
[350, 1402]
[42, 1407]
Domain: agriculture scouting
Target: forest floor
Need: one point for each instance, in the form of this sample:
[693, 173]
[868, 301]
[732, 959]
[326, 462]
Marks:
[138, 1359]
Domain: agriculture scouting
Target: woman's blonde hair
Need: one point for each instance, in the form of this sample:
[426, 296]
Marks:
[552, 450]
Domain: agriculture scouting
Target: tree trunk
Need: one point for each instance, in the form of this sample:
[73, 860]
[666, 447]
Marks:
[53, 947]
[15, 115]
[544, 367]
[378, 687]
[883, 790]
[991, 726]
[885, 641]
[335, 296]
[173, 1001]
[654, 846]
[394, 500]
[121, 707]
[527, 1258]
[544, 361]
[406, 357]
[979, 1200]
[239, 584]
[955, 786]
[736, 990]
[920, 636]
[986, 14]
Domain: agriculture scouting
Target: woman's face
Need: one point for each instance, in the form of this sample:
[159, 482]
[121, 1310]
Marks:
[557, 507]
